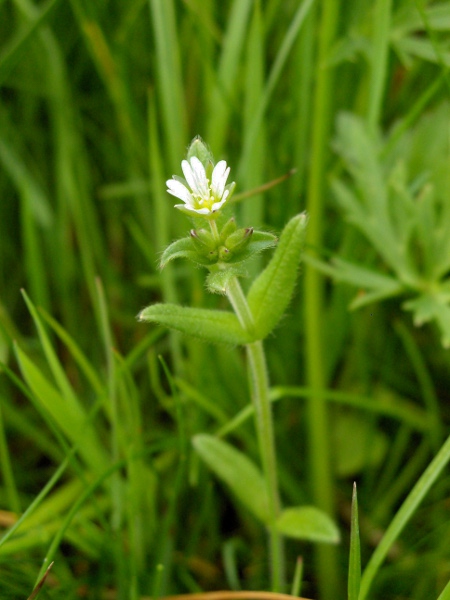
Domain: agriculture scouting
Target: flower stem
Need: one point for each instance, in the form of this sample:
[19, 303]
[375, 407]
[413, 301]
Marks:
[214, 229]
[264, 426]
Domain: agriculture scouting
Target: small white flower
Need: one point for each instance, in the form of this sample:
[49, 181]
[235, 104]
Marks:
[199, 195]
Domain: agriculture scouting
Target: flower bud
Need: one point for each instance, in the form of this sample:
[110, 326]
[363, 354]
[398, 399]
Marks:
[228, 229]
[238, 240]
[213, 255]
[202, 240]
[200, 150]
[224, 254]
[205, 244]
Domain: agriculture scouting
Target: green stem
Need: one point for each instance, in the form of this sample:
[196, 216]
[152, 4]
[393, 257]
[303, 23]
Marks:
[264, 425]
[240, 305]
[214, 229]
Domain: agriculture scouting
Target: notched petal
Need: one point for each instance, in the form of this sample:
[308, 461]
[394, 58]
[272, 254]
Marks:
[219, 178]
[189, 174]
[179, 190]
[199, 174]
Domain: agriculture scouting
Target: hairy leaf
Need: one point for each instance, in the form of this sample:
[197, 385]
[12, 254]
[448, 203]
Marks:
[272, 291]
[211, 325]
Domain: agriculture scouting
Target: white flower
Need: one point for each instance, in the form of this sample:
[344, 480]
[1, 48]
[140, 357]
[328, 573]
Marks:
[199, 194]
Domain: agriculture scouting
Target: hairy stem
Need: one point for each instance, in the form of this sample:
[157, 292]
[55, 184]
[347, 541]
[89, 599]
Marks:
[264, 425]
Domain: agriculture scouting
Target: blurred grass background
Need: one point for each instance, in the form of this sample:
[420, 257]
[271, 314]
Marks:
[98, 103]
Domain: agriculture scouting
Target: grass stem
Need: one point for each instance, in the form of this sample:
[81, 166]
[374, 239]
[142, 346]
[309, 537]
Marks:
[320, 469]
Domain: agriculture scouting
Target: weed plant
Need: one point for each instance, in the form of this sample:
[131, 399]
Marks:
[98, 412]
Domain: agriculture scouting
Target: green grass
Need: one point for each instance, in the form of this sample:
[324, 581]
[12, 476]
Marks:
[98, 103]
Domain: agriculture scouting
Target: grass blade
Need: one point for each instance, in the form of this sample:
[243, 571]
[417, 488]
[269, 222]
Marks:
[38, 588]
[445, 594]
[403, 515]
[354, 566]
[222, 95]
[70, 417]
[170, 84]
[13, 53]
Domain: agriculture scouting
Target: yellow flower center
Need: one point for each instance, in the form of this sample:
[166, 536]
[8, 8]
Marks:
[202, 202]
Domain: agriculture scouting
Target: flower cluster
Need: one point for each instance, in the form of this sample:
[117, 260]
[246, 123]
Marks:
[222, 248]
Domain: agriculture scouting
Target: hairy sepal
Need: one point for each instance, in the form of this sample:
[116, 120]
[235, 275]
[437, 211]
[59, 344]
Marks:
[182, 248]
[260, 241]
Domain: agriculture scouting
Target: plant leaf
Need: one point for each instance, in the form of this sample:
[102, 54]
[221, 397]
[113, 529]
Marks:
[215, 326]
[428, 307]
[376, 285]
[307, 523]
[236, 470]
[358, 444]
[271, 292]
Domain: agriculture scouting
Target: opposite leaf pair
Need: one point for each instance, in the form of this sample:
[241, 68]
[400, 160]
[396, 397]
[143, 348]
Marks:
[267, 298]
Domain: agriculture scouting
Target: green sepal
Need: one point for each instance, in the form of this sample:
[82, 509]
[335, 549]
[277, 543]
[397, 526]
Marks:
[183, 248]
[259, 241]
[307, 523]
[239, 240]
[215, 326]
[237, 471]
[203, 240]
[201, 248]
[272, 291]
[229, 228]
[255, 242]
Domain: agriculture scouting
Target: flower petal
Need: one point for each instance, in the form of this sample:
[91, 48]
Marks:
[219, 178]
[186, 208]
[202, 184]
[179, 190]
[180, 179]
[189, 175]
[200, 196]
[217, 205]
